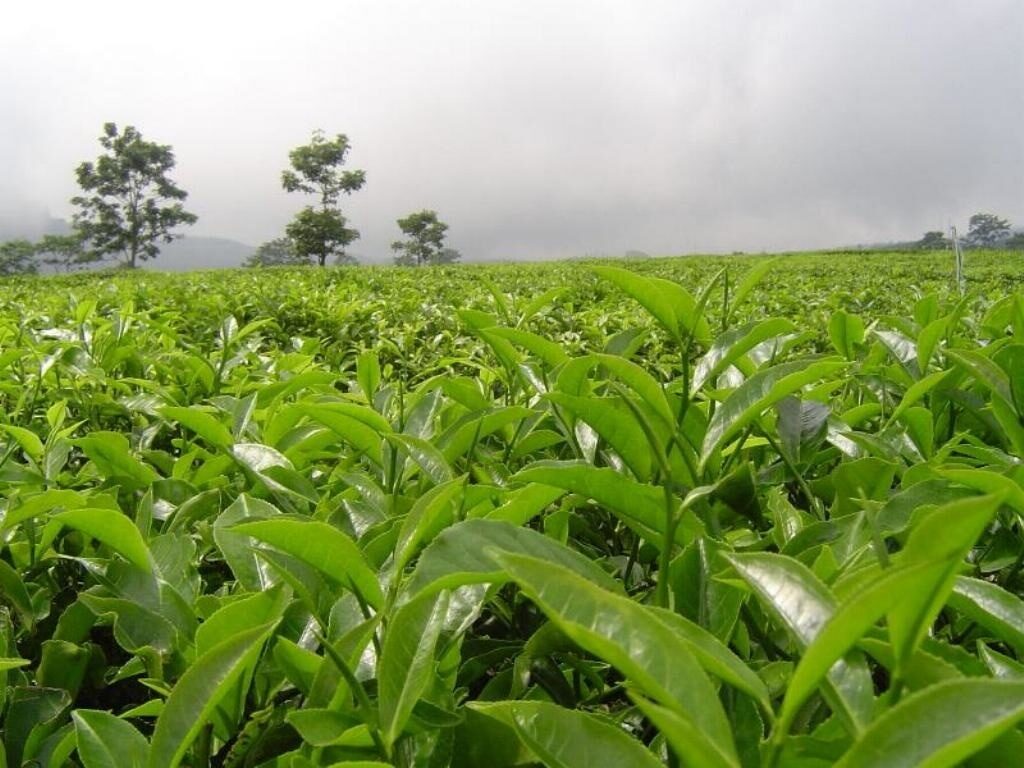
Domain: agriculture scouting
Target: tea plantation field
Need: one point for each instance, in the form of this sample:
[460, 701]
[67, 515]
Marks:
[712, 512]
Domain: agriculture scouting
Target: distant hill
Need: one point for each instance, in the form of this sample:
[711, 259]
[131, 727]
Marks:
[186, 253]
[191, 252]
[26, 221]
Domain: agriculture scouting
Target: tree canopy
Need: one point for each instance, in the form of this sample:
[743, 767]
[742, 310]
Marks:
[316, 169]
[129, 205]
[987, 229]
[424, 243]
[17, 257]
[933, 241]
[279, 252]
[65, 252]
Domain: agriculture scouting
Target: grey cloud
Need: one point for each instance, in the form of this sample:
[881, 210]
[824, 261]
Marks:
[540, 129]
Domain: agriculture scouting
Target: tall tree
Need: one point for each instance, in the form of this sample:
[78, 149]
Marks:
[987, 229]
[17, 257]
[321, 231]
[129, 205]
[424, 243]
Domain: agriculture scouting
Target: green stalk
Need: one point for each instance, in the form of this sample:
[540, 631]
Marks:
[812, 500]
[662, 594]
[363, 704]
[203, 746]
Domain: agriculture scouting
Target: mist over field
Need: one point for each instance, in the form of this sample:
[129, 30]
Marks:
[744, 492]
[537, 130]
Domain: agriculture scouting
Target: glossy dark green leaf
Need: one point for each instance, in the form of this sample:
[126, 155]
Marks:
[760, 392]
[466, 554]
[614, 422]
[32, 713]
[565, 738]
[928, 340]
[62, 665]
[846, 331]
[551, 353]
[106, 741]
[526, 503]
[407, 659]
[999, 665]
[203, 424]
[113, 458]
[999, 611]
[641, 382]
[867, 479]
[945, 534]
[455, 443]
[631, 638]
[276, 472]
[639, 505]
[27, 439]
[987, 481]
[251, 571]
[985, 371]
[14, 591]
[715, 656]
[321, 546]
[194, 697]
[113, 529]
[487, 736]
[359, 426]
[950, 722]
[368, 373]
[711, 602]
[429, 459]
[136, 627]
[733, 344]
[801, 423]
[37, 504]
[241, 615]
[431, 513]
[803, 605]
[684, 739]
[320, 727]
[847, 625]
[669, 303]
[918, 390]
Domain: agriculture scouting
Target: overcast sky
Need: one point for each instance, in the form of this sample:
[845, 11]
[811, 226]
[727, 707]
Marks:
[540, 129]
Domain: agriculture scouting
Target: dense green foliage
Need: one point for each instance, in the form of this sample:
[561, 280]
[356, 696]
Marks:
[279, 252]
[316, 170]
[129, 204]
[703, 512]
[424, 241]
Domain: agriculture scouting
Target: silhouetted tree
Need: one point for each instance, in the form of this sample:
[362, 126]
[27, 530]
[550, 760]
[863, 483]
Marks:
[17, 257]
[279, 252]
[424, 241]
[130, 205]
[987, 229]
[66, 251]
[933, 241]
[316, 170]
